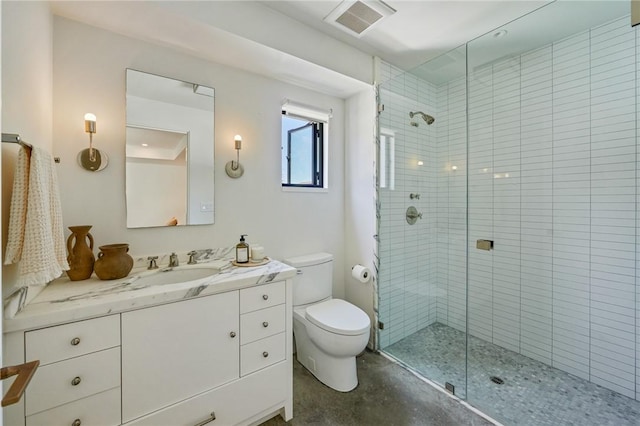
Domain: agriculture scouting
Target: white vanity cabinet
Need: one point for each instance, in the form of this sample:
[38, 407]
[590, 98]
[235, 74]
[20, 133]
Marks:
[78, 381]
[223, 358]
[227, 352]
[262, 327]
[175, 351]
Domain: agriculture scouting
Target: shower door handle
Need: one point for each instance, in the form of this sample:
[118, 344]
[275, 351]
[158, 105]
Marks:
[484, 244]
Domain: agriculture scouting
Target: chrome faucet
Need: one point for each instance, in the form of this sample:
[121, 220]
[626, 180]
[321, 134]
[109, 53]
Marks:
[173, 260]
[152, 262]
[192, 254]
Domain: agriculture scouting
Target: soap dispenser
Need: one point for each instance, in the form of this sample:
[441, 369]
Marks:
[242, 250]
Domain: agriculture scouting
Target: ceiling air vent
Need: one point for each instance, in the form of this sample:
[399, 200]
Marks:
[356, 17]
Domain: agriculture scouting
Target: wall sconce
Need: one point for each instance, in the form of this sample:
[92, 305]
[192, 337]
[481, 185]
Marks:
[91, 158]
[233, 168]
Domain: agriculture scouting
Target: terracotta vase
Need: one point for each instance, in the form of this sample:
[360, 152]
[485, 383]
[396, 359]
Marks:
[113, 262]
[80, 256]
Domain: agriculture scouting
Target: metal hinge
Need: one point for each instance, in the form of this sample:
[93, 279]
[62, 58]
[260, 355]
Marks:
[380, 108]
[449, 387]
[380, 325]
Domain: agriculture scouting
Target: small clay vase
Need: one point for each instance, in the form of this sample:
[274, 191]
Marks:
[80, 256]
[113, 262]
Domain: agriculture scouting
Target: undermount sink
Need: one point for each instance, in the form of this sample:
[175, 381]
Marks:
[180, 274]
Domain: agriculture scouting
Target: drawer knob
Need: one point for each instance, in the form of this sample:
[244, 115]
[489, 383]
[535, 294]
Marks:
[232, 334]
[75, 341]
[76, 381]
[265, 324]
[76, 422]
[265, 296]
[211, 418]
[265, 354]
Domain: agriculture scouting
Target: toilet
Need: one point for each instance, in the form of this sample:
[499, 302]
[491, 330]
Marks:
[328, 332]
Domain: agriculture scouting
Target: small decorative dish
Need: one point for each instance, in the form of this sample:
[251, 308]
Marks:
[251, 263]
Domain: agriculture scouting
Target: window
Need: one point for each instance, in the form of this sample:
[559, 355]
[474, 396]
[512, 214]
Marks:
[304, 146]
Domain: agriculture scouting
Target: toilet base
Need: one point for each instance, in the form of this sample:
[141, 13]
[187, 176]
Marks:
[339, 373]
[342, 376]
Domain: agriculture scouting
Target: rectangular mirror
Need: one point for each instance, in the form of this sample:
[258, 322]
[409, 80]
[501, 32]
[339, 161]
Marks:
[169, 151]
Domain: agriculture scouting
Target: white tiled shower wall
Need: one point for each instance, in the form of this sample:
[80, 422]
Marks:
[407, 279]
[553, 180]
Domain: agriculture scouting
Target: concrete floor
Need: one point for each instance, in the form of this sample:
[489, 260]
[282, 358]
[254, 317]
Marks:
[387, 394]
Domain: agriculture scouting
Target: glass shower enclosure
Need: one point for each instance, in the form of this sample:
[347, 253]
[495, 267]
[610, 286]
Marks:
[508, 217]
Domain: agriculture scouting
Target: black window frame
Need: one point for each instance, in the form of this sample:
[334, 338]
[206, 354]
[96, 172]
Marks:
[317, 157]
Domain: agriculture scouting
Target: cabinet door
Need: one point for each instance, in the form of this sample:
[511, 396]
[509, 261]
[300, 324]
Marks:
[174, 351]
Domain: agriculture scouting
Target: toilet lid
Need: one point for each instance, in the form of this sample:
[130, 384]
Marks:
[338, 316]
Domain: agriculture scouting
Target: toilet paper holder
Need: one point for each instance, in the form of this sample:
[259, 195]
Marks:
[361, 273]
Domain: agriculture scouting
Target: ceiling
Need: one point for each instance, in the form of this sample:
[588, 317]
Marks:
[289, 41]
[418, 30]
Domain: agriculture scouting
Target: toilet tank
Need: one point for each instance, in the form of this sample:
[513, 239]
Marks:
[313, 281]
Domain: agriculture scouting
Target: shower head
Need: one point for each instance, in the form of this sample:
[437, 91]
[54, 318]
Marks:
[426, 117]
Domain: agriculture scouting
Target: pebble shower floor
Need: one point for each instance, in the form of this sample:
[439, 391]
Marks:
[532, 393]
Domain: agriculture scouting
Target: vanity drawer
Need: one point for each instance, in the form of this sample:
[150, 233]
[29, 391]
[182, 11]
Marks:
[70, 340]
[262, 296]
[101, 409]
[261, 354]
[266, 390]
[262, 323]
[53, 384]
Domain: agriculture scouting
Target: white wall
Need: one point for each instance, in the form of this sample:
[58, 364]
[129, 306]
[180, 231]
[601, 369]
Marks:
[89, 75]
[360, 214]
[26, 93]
[26, 105]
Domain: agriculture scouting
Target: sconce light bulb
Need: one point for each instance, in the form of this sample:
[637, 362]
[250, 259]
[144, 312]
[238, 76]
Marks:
[454, 167]
[238, 140]
[420, 163]
[89, 123]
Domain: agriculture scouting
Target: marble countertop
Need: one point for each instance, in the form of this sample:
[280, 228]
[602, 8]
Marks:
[63, 300]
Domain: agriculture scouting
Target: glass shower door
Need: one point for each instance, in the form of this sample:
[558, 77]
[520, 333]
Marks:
[552, 140]
[422, 271]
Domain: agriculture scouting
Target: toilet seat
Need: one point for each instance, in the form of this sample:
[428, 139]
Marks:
[339, 317]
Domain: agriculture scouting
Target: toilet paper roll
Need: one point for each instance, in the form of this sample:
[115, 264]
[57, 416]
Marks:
[361, 273]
